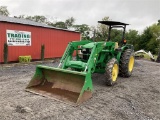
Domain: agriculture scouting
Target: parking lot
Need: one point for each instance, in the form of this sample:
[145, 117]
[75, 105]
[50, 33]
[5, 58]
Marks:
[134, 98]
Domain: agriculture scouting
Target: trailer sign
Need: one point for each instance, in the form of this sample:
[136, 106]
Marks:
[18, 38]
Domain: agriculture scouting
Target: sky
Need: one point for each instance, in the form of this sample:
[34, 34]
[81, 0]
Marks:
[138, 13]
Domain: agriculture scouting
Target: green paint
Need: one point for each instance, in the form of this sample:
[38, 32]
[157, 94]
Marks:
[24, 36]
[8, 34]
[11, 35]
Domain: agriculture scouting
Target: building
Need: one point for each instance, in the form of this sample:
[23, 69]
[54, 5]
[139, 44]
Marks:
[25, 37]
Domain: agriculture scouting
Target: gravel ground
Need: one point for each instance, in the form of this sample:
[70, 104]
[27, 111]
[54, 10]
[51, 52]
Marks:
[134, 98]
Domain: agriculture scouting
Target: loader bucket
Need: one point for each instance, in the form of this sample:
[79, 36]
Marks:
[66, 85]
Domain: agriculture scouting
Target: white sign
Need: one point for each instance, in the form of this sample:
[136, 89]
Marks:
[18, 38]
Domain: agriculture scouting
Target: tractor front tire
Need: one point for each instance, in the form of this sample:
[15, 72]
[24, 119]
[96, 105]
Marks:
[111, 73]
[126, 63]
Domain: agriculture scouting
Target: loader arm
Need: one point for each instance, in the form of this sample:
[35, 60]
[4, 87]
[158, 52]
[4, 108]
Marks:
[93, 59]
[69, 52]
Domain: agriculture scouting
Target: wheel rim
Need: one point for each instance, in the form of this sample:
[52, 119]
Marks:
[114, 72]
[131, 64]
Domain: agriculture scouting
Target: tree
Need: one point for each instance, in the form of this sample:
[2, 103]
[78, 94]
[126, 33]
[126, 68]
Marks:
[158, 57]
[158, 38]
[36, 18]
[154, 42]
[133, 37]
[65, 25]
[149, 40]
[20, 16]
[4, 11]
[158, 22]
[59, 24]
[42, 19]
[101, 31]
[116, 35]
[84, 30]
[39, 18]
[69, 22]
[144, 39]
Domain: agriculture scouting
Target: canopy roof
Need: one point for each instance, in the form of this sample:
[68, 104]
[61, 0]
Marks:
[112, 23]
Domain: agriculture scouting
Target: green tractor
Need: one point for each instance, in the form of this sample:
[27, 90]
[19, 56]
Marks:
[71, 80]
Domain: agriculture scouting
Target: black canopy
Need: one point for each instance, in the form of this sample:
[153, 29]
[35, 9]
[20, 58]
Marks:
[112, 23]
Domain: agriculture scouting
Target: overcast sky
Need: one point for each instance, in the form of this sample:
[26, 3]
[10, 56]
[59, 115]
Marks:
[138, 13]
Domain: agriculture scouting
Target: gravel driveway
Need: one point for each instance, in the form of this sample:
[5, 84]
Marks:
[134, 98]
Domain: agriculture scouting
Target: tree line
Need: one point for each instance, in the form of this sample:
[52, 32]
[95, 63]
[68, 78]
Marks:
[148, 40]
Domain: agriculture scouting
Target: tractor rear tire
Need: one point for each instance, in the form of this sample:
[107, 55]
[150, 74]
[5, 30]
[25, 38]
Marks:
[126, 63]
[111, 73]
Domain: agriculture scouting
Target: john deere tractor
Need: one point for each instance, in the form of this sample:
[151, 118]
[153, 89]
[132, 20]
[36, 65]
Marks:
[71, 80]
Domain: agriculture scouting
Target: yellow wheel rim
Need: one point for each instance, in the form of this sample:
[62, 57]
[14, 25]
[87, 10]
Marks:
[131, 64]
[114, 72]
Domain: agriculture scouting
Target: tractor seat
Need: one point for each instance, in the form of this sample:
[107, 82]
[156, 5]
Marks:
[117, 48]
[116, 45]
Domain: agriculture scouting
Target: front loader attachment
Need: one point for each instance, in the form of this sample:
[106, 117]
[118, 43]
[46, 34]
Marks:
[66, 85]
